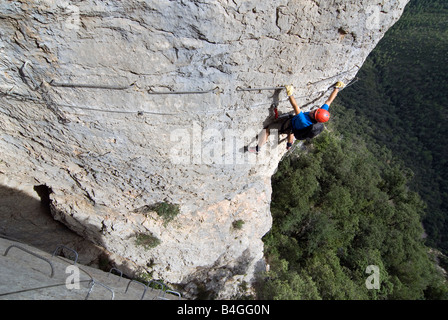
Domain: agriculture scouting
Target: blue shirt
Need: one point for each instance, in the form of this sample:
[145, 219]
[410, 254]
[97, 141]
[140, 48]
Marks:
[303, 119]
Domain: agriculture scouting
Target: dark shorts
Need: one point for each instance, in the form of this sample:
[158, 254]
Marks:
[284, 126]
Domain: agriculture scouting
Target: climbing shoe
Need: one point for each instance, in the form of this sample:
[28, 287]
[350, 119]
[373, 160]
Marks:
[253, 149]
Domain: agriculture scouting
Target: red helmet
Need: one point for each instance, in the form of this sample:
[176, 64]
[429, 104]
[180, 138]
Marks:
[321, 115]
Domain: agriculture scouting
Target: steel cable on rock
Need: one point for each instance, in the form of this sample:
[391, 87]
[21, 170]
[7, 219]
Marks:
[111, 87]
[46, 99]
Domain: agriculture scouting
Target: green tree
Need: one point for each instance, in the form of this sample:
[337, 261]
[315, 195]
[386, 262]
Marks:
[338, 209]
[400, 103]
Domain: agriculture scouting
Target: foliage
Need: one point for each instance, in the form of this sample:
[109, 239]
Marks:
[350, 201]
[336, 210]
[166, 210]
[238, 224]
[401, 104]
[147, 240]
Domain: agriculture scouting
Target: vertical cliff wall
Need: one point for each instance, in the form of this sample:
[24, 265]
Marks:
[118, 105]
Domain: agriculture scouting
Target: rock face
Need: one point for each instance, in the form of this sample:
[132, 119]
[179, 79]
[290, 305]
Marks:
[118, 105]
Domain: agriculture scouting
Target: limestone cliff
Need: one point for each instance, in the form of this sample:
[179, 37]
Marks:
[118, 105]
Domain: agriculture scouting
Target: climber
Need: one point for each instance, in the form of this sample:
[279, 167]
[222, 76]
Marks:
[303, 124]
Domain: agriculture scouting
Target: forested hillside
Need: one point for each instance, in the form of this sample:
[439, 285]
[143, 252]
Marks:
[365, 191]
[401, 103]
[337, 209]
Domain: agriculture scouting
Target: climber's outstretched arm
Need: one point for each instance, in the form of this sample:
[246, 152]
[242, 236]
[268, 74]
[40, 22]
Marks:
[332, 96]
[294, 104]
[339, 85]
[289, 92]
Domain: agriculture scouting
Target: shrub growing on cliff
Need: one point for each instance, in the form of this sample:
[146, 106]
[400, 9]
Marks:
[147, 240]
[167, 211]
[238, 224]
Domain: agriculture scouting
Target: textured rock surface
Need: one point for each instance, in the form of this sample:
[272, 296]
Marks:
[108, 154]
